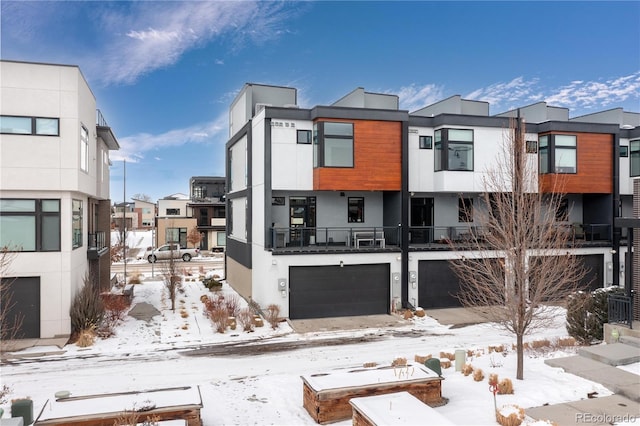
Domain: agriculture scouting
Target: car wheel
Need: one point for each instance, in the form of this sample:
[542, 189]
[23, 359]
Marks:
[186, 257]
[152, 258]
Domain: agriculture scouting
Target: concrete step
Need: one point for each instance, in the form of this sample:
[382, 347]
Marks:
[612, 354]
[630, 340]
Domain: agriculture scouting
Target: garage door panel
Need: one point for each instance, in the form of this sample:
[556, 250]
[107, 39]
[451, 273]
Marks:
[327, 291]
[438, 285]
[24, 306]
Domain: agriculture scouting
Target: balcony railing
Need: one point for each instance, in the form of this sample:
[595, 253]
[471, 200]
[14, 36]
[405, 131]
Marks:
[439, 237]
[97, 244]
[336, 238]
[621, 309]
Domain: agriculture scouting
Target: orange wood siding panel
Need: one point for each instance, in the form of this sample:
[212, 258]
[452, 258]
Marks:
[377, 159]
[595, 167]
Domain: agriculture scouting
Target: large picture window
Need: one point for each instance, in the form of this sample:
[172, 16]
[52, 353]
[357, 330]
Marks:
[333, 144]
[76, 211]
[30, 225]
[176, 235]
[557, 154]
[40, 126]
[453, 149]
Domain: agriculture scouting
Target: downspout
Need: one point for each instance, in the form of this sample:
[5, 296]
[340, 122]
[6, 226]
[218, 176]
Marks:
[404, 223]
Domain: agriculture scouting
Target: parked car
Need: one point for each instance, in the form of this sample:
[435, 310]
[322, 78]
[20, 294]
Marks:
[165, 251]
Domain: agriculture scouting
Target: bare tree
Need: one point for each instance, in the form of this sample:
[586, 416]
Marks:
[142, 197]
[10, 321]
[171, 277]
[194, 236]
[518, 267]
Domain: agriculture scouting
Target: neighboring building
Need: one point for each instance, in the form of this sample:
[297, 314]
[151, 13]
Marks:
[146, 211]
[174, 220]
[348, 209]
[124, 212]
[54, 191]
[207, 206]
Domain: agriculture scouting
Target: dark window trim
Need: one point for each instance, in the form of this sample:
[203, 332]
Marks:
[425, 142]
[359, 203]
[531, 147]
[318, 141]
[33, 125]
[173, 212]
[624, 151]
[551, 153]
[306, 140]
[444, 149]
[39, 214]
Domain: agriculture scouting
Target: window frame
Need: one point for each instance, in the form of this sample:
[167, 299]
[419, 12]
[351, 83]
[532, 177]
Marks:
[531, 147]
[358, 213]
[320, 138]
[76, 224]
[33, 126]
[443, 143]
[84, 149]
[425, 142]
[172, 211]
[624, 151]
[549, 153]
[634, 158]
[308, 137]
[40, 213]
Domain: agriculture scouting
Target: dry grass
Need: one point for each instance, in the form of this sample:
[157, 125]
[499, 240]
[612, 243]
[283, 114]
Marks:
[245, 319]
[86, 337]
[505, 387]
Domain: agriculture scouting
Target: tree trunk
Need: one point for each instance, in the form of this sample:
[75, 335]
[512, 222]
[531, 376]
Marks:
[520, 355]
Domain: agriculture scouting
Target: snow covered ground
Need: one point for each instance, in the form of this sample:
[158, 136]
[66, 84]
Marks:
[265, 388]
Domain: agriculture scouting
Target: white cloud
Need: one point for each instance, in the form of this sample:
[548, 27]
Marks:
[516, 91]
[596, 94]
[153, 35]
[414, 97]
[134, 148]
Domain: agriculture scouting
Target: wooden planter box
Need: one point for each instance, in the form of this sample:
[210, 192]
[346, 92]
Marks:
[399, 408]
[182, 403]
[326, 396]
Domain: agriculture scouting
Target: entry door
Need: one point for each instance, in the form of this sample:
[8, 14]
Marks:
[302, 220]
[21, 302]
[421, 217]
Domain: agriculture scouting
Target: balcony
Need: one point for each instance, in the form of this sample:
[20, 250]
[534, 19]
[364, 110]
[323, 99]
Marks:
[339, 239]
[470, 237]
[97, 245]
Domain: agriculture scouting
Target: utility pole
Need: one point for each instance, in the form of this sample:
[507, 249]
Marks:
[124, 219]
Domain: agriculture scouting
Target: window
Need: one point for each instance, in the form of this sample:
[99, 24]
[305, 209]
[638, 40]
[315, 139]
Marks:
[173, 212]
[558, 154]
[176, 235]
[199, 192]
[30, 225]
[454, 149]
[218, 211]
[76, 227]
[221, 239]
[304, 136]
[562, 212]
[634, 152]
[624, 151]
[84, 149]
[465, 210]
[40, 126]
[333, 144]
[426, 142]
[356, 210]
[531, 147]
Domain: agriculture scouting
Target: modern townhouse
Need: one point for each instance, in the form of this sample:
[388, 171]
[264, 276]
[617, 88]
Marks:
[146, 211]
[174, 220]
[207, 206]
[54, 192]
[350, 209]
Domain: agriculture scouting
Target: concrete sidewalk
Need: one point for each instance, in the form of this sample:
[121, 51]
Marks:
[597, 363]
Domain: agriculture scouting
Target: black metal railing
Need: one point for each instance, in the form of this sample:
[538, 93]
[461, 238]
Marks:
[100, 121]
[97, 240]
[336, 237]
[621, 309]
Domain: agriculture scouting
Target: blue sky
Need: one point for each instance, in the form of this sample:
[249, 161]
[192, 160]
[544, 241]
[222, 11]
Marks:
[164, 72]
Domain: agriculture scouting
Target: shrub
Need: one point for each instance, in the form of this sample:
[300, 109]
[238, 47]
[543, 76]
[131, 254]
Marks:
[245, 319]
[86, 337]
[87, 309]
[587, 313]
[115, 309]
[232, 303]
[273, 315]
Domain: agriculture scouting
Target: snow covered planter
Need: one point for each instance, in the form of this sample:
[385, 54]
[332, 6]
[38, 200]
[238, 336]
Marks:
[510, 415]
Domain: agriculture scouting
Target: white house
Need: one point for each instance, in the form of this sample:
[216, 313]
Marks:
[54, 191]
